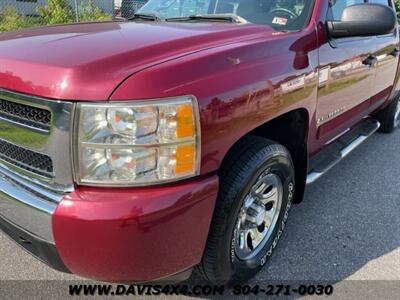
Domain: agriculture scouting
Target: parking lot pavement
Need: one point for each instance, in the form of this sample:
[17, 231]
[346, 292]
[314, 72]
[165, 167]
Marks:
[346, 230]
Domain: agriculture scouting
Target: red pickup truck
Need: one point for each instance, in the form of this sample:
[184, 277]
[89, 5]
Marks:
[136, 150]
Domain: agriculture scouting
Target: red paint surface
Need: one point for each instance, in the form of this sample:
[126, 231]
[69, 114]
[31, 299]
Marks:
[242, 77]
[88, 61]
[135, 234]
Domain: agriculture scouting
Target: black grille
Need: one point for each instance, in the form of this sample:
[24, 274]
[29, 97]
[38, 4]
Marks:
[26, 159]
[24, 114]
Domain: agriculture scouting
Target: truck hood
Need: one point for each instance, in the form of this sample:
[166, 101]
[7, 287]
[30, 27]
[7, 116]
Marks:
[88, 61]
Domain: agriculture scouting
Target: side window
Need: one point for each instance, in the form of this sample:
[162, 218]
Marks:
[384, 2]
[337, 7]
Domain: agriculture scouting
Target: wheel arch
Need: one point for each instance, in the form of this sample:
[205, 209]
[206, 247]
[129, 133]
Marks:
[291, 131]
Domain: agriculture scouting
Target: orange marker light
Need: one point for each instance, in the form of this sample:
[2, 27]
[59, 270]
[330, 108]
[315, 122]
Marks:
[185, 126]
[185, 158]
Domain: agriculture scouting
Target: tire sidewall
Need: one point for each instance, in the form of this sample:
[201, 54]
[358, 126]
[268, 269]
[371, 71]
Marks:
[281, 165]
[394, 109]
[387, 117]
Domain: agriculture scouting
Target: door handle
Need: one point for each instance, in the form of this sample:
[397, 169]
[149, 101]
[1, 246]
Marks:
[395, 52]
[370, 61]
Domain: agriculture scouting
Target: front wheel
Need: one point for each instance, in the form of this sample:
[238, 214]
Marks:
[256, 192]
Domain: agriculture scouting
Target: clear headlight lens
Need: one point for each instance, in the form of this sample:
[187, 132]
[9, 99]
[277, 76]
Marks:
[137, 143]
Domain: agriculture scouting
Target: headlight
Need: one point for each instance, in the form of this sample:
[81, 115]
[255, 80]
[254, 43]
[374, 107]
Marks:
[137, 143]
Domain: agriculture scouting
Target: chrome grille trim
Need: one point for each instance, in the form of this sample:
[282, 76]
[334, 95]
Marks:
[30, 116]
[53, 143]
[27, 205]
[26, 159]
[34, 189]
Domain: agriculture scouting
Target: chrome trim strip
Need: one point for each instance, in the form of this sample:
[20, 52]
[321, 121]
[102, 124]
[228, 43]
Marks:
[141, 146]
[37, 180]
[314, 176]
[27, 205]
[347, 150]
[21, 170]
[24, 125]
[29, 186]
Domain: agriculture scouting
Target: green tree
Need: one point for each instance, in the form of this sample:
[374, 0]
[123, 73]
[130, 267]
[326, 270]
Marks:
[56, 12]
[11, 19]
[90, 12]
[397, 4]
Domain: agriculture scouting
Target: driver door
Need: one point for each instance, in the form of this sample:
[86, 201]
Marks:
[346, 75]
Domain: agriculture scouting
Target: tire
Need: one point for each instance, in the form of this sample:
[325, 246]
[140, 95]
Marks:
[389, 117]
[253, 160]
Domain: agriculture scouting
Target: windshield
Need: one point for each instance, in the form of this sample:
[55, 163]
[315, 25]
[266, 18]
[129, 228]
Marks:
[280, 14]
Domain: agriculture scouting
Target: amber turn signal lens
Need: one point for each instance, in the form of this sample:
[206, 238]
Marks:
[185, 158]
[185, 116]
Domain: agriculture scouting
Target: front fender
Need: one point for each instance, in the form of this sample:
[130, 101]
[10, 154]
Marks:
[239, 87]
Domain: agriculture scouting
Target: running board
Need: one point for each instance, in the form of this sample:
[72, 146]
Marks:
[335, 152]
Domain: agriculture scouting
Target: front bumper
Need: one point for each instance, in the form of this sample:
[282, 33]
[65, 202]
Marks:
[132, 235]
[26, 204]
[43, 250]
[26, 213]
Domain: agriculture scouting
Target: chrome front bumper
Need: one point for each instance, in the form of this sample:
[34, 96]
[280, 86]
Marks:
[27, 205]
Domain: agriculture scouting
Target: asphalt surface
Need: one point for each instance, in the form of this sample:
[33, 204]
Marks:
[347, 231]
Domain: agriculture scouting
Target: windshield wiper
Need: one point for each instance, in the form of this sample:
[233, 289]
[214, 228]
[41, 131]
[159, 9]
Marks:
[148, 16]
[232, 18]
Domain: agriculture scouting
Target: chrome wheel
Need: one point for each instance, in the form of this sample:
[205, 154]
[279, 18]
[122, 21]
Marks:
[397, 115]
[258, 216]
